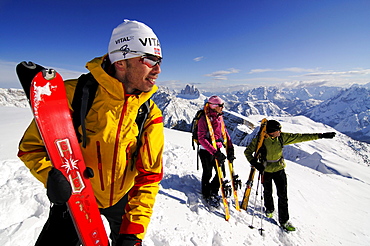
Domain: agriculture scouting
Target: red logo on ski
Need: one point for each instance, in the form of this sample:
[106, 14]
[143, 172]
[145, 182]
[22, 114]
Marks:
[70, 165]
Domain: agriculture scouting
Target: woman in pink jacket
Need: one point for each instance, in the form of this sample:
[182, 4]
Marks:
[208, 153]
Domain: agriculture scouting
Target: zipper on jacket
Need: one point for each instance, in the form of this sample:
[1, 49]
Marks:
[128, 161]
[100, 165]
[115, 152]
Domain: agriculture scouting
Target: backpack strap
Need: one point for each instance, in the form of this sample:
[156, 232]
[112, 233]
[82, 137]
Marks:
[142, 116]
[281, 141]
[83, 99]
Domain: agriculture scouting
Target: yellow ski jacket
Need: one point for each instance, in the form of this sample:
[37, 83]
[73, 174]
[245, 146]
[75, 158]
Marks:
[111, 141]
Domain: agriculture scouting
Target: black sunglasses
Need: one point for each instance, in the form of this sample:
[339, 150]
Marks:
[220, 105]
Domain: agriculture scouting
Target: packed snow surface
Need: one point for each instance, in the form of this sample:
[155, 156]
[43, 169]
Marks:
[328, 189]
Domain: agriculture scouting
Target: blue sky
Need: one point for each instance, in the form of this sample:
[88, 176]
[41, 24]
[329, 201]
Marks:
[211, 44]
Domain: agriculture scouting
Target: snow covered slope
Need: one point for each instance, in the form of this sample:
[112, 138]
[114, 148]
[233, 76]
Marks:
[328, 192]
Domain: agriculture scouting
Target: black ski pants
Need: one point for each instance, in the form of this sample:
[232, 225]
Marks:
[59, 229]
[208, 164]
[280, 181]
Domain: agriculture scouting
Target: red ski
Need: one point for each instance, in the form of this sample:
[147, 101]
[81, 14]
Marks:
[51, 112]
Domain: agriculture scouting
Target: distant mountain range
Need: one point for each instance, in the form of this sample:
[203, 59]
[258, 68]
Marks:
[345, 109]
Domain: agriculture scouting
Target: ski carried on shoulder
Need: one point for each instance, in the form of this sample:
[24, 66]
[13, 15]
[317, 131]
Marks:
[249, 184]
[47, 96]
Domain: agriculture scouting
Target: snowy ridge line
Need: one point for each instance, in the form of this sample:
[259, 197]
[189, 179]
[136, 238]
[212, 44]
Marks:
[343, 109]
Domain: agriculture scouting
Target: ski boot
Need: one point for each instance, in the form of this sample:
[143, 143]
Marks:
[287, 226]
[213, 200]
[269, 213]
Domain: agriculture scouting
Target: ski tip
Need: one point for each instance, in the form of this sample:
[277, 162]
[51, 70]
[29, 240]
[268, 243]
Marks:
[27, 70]
[29, 64]
[49, 74]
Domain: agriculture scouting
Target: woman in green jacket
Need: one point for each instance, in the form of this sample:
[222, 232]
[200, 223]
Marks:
[272, 165]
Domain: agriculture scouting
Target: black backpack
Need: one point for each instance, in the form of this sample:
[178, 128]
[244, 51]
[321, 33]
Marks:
[83, 99]
[194, 127]
[194, 132]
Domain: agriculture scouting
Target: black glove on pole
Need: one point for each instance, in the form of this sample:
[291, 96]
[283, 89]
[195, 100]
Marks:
[58, 189]
[259, 166]
[220, 156]
[327, 135]
[230, 154]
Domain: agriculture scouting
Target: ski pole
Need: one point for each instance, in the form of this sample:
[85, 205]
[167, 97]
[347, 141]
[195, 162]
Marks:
[255, 200]
[261, 207]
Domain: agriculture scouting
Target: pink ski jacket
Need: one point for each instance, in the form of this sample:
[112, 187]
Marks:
[204, 136]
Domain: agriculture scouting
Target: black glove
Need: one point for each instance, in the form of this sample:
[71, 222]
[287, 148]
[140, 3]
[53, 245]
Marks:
[327, 135]
[128, 240]
[89, 173]
[258, 165]
[58, 189]
[220, 156]
[230, 154]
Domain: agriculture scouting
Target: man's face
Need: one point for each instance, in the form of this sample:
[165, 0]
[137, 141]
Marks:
[136, 75]
[274, 134]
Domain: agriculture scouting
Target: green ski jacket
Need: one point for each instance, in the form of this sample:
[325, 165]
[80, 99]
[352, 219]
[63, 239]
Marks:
[274, 148]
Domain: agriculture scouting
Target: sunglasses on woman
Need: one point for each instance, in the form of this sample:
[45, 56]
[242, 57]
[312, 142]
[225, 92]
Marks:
[214, 105]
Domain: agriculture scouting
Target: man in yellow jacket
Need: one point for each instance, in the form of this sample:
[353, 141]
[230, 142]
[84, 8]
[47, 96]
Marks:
[125, 187]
